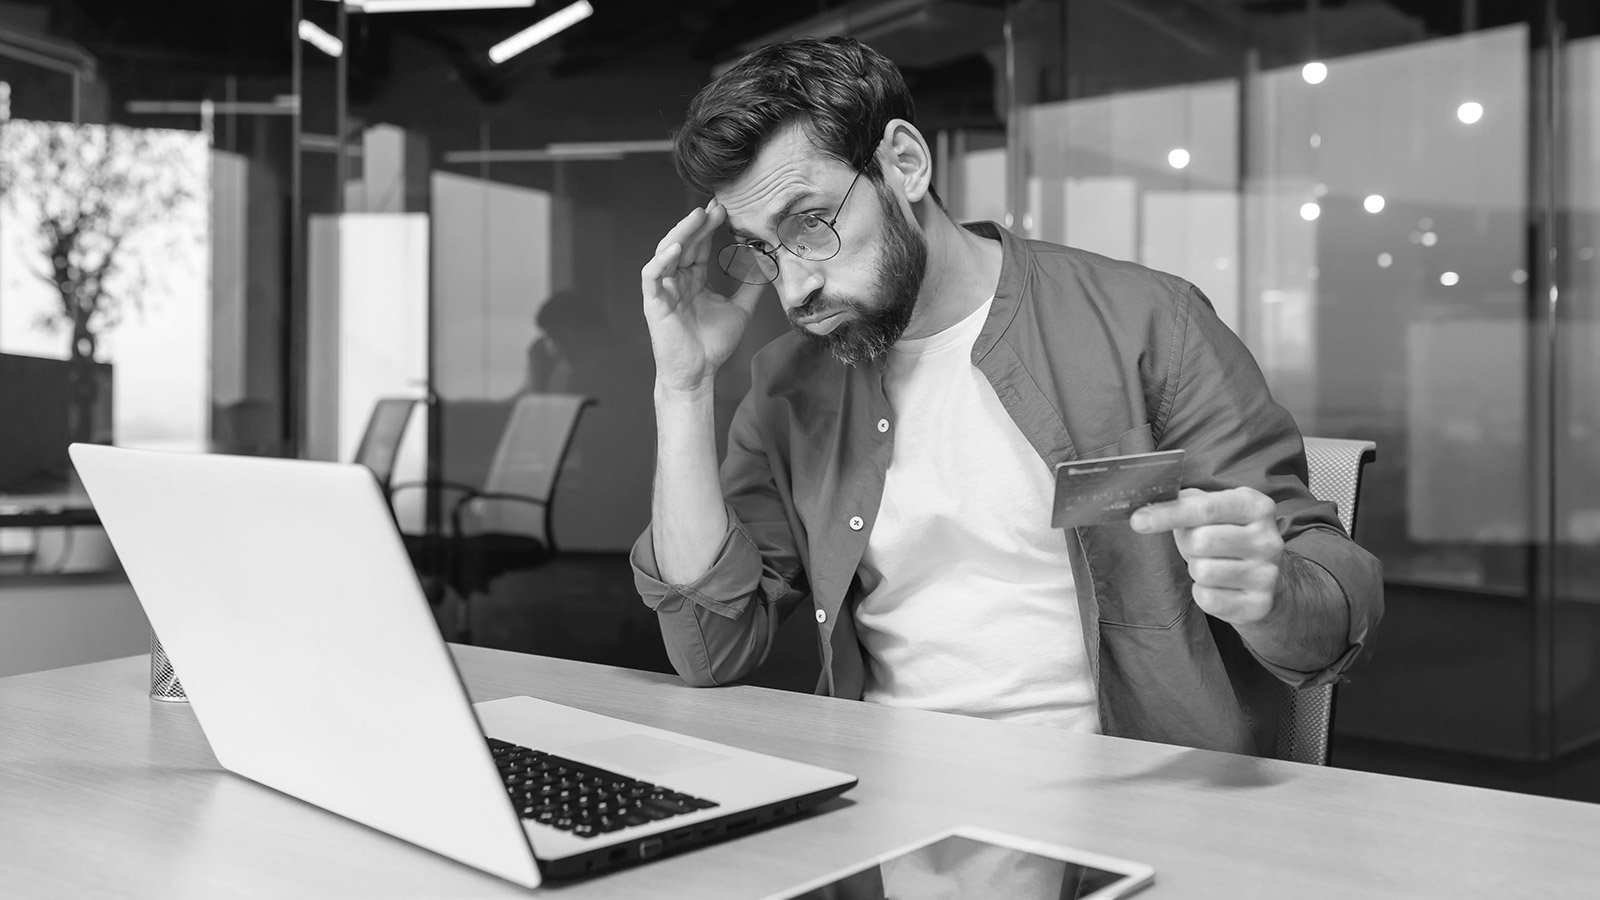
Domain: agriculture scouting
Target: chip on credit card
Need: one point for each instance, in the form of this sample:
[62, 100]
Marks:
[1109, 489]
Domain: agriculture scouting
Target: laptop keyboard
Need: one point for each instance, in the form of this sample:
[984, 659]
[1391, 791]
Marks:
[582, 799]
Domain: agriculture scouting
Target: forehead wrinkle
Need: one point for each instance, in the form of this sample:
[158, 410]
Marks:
[761, 204]
[787, 169]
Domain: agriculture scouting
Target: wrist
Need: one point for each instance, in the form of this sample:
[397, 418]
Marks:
[686, 396]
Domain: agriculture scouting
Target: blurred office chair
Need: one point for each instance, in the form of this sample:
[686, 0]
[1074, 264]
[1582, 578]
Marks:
[380, 442]
[1334, 468]
[506, 525]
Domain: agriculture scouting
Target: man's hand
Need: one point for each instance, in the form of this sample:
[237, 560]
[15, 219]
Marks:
[693, 330]
[1232, 545]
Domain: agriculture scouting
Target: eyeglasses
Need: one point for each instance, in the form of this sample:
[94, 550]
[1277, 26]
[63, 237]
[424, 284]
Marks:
[805, 235]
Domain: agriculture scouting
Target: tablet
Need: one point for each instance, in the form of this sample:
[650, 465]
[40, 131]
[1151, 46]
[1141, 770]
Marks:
[967, 863]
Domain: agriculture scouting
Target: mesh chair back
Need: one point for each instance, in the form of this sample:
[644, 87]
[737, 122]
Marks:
[380, 442]
[1334, 468]
[1334, 474]
[527, 462]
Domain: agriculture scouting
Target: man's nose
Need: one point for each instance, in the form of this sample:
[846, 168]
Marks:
[797, 281]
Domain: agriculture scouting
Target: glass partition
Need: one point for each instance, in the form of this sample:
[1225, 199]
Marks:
[1575, 468]
[145, 192]
[1362, 203]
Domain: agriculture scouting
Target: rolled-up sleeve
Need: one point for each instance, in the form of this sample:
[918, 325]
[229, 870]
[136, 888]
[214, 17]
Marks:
[1360, 588]
[725, 589]
[718, 628]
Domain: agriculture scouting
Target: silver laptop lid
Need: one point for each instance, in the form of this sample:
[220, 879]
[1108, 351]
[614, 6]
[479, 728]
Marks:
[288, 606]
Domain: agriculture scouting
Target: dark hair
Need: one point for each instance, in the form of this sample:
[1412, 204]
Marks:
[842, 92]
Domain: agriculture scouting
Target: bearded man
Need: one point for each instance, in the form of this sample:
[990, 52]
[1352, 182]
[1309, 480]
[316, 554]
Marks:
[891, 469]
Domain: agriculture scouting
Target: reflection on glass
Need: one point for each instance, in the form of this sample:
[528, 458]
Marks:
[964, 868]
[104, 266]
[1576, 431]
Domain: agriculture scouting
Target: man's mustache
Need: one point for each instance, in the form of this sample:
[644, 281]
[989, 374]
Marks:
[814, 303]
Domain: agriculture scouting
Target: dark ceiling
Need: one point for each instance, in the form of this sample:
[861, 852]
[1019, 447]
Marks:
[252, 38]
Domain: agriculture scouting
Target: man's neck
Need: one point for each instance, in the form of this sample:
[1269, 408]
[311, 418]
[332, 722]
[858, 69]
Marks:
[963, 271]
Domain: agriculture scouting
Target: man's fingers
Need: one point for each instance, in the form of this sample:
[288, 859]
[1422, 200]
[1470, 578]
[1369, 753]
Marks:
[1255, 541]
[697, 249]
[664, 263]
[686, 228]
[1233, 574]
[1194, 507]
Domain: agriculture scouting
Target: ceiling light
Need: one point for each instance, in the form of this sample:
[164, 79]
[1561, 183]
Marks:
[1469, 112]
[1373, 204]
[1178, 158]
[405, 6]
[320, 39]
[1385, 260]
[550, 25]
[1449, 279]
[1310, 211]
[1314, 72]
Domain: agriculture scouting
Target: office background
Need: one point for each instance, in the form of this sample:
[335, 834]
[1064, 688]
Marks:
[308, 207]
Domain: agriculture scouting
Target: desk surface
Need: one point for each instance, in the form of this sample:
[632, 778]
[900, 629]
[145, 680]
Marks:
[105, 793]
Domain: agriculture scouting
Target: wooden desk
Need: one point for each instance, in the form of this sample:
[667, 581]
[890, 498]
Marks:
[105, 793]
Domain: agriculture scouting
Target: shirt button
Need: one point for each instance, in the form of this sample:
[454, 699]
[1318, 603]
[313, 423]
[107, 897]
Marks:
[883, 425]
[856, 523]
[821, 617]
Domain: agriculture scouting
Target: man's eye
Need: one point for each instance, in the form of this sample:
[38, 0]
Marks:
[807, 223]
[758, 246]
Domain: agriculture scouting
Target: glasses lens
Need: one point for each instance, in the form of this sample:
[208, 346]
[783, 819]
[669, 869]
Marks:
[747, 265]
[808, 237]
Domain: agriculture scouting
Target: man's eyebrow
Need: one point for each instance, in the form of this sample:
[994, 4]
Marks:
[787, 209]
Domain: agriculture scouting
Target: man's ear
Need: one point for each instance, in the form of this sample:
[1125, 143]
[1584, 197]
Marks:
[907, 152]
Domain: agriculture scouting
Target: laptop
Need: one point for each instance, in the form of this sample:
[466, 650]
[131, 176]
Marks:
[286, 602]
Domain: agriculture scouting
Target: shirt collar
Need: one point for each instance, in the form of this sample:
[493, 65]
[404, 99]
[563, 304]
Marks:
[1015, 269]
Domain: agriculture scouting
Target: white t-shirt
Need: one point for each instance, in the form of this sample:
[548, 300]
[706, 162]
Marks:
[970, 605]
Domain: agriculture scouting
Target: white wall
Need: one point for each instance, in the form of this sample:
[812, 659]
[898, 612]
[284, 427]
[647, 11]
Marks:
[492, 272]
[368, 299]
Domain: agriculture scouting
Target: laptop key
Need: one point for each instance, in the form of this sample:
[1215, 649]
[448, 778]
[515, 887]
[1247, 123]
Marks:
[566, 794]
[672, 806]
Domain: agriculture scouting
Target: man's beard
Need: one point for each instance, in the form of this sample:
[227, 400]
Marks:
[875, 328]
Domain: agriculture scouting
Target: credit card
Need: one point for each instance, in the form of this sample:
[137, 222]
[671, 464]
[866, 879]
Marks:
[1109, 489]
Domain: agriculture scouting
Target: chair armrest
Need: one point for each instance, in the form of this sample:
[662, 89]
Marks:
[451, 485]
[455, 511]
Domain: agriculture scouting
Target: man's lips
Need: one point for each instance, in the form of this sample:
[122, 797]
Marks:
[822, 324]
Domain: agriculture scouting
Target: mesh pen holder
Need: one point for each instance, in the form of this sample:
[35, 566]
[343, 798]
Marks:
[163, 678]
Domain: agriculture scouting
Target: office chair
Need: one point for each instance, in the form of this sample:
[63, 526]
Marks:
[1334, 468]
[506, 525]
[380, 441]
